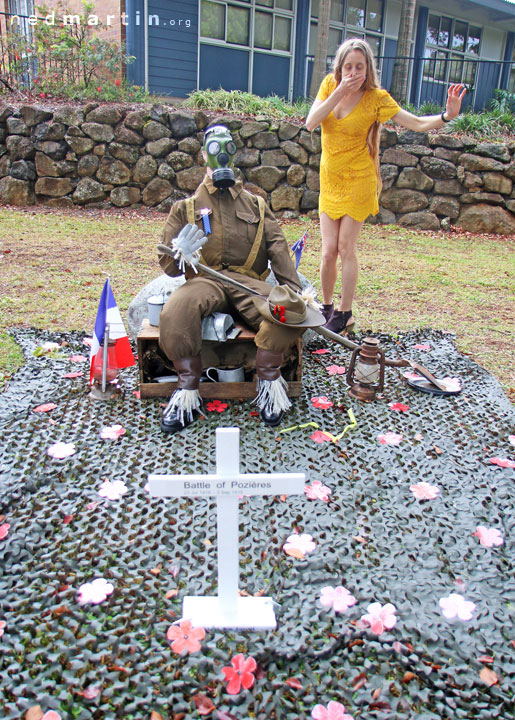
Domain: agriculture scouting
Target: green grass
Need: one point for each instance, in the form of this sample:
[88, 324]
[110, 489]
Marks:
[54, 266]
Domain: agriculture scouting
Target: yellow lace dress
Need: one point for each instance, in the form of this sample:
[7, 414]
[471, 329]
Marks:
[348, 181]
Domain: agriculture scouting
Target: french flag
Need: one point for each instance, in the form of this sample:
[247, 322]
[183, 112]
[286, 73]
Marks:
[108, 313]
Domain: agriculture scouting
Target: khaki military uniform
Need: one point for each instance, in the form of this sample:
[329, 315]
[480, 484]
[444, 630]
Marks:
[244, 237]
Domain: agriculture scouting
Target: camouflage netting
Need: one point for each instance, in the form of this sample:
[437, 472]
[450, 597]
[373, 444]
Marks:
[374, 537]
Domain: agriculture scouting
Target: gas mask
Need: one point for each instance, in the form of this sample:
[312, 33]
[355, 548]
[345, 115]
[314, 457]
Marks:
[220, 149]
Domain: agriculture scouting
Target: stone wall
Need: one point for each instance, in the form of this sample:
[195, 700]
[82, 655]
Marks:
[101, 155]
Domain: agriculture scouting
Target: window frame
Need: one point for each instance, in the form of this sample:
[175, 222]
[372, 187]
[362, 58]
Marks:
[452, 58]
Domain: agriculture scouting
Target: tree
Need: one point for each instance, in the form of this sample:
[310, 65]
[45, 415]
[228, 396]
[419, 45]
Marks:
[399, 87]
[319, 65]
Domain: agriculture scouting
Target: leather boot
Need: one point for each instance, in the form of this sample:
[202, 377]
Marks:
[272, 399]
[185, 402]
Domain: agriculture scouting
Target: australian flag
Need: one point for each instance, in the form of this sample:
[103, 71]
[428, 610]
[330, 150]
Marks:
[298, 247]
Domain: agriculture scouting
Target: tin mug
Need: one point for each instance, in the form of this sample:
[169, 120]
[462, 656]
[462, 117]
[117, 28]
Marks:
[236, 374]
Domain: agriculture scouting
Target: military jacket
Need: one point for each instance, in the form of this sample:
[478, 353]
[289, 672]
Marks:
[234, 217]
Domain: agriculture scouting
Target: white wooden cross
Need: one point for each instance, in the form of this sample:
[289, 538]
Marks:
[228, 609]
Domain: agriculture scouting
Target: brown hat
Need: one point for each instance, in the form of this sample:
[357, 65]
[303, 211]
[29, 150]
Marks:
[284, 307]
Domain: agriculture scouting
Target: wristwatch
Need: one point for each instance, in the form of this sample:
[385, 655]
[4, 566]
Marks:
[443, 117]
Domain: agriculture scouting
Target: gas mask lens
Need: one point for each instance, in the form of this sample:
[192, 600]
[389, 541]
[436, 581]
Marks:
[231, 147]
[213, 147]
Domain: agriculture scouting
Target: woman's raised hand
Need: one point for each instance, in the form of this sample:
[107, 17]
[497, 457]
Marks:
[454, 97]
[350, 84]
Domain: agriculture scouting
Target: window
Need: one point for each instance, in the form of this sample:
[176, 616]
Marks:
[348, 19]
[231, 22]
[452, 46]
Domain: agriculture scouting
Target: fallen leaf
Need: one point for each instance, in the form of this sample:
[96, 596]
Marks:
[380, 705]
[488, 677]
[207, 543]
[67, 519]
[359, 681]
[45, 408]
[118, 668]
[156, 716]
[171, 593]
[34, 713]
[418, 437]
[155, 571]
[61, 610]
[485, 659]
[376, 693]
[204, 704]
[90, 693]
[437, 450]
[408, 677]
[71, 375]
[294, 683]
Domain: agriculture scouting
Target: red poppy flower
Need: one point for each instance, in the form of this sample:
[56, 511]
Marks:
[216, 405]
[240, 675]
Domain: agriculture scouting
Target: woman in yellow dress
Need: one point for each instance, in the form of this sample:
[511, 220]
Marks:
[350, 107]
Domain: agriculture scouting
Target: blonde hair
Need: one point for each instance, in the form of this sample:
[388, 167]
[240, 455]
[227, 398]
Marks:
[371, 83]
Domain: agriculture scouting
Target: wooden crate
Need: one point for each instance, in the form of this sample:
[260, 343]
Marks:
[233, 353]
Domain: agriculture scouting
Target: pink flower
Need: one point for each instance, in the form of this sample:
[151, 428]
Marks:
[424, 491]
[185, 637]
[61, 450]
[320, 437]
[240, 674]
[390, 438]
[3, 625]
[113, 490]
[322, 351]
[95, 592]
[4, 529]
[423, 346]
[114, 432]
[87, 341]
[512, 439]
[72, 375]
[92, 505]
[78, 358]
[217, 406]
[380, 617]
[338, 598]
[334, 711]
[298, 545]
[456, 606]
[137, 394]
[502, 462]
[321, 402]
[400, 407]
[488, 536]
[335, 370]
[45, 408]
[317, 491]
[51, 715]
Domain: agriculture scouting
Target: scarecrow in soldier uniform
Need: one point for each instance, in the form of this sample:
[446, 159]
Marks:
[228, 229]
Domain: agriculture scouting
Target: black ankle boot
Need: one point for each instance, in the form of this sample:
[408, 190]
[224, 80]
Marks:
[327, 311]
[338, 322]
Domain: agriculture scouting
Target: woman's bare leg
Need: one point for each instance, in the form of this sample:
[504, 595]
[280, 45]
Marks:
[347, 239]
[330, 230]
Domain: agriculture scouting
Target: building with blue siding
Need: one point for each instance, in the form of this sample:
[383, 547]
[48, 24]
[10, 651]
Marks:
[267, 46]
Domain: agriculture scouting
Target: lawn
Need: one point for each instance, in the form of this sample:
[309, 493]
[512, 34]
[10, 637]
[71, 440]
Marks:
[54, 264]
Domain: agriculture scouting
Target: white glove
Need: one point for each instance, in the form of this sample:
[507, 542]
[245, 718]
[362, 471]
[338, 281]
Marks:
[187, 245]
